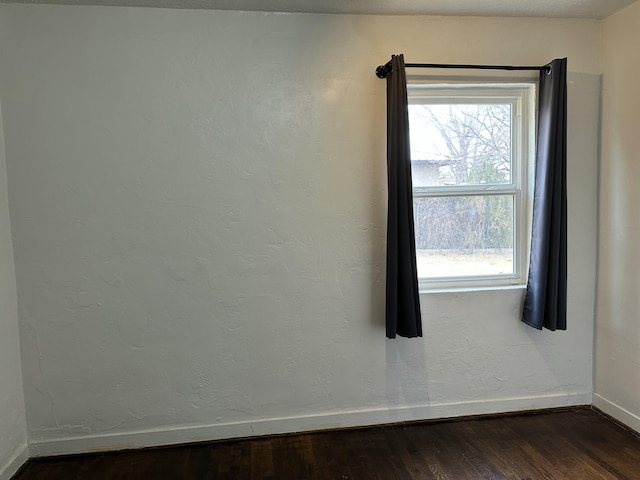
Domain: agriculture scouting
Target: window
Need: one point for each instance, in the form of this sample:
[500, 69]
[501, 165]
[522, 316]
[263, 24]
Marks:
[470, 154]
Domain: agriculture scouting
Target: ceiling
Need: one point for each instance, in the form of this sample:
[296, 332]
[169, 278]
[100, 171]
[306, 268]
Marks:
[531, 8]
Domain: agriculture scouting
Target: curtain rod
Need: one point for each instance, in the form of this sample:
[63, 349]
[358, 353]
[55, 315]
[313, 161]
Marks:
[383, 70]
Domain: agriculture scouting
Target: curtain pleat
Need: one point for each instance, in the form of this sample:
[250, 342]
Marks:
[545, 303]
[402, 297]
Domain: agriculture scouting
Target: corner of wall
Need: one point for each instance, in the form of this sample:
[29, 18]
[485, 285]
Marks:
[616, 351]
[15, 462]
[13, 422]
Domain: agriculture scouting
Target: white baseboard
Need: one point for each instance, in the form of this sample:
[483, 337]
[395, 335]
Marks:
[631, 420]
[19, 458]
[272, 426]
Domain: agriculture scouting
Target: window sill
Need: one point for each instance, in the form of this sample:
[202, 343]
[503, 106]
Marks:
[427, 290]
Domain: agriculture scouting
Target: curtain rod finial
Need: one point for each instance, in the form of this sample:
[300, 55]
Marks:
[383, 70]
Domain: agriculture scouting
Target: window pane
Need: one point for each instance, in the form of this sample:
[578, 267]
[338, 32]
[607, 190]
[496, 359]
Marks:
[464, 236]
[460, 144]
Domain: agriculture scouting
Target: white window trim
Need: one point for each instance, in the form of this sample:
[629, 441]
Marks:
[522, 96]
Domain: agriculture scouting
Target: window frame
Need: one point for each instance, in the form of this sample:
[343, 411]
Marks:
[522, 97]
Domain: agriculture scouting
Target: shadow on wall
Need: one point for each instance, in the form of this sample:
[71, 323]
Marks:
[406, 373]
[558, 349]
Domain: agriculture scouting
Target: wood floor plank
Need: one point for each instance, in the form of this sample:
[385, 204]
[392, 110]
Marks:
[262, 460]
[575, 444]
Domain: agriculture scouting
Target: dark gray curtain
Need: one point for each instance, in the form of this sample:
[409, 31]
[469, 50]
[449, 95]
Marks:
[403, 302]
[545, 303]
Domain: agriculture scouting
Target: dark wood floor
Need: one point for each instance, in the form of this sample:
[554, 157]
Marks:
[573, 444]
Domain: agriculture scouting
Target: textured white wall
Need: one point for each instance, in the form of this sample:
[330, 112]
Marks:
[13, 424]
[198, 204]
[617, 384]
